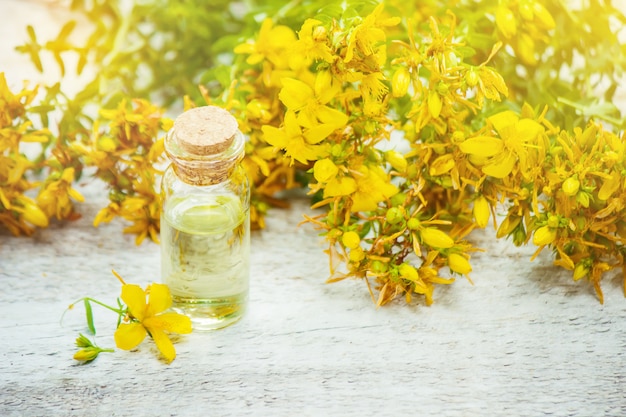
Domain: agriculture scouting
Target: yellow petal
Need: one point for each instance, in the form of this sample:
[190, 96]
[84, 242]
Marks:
[160, 299]
[609, 186]
[528, 129]
[502, 120]
[274, 136]
[501, 167]
[295, 94]
[340, 186]
[441, 165]
[135, 298]
[165, 345]
[331, 116]
[318, 133]
[483, 146]
[129, 335]
[169, 322]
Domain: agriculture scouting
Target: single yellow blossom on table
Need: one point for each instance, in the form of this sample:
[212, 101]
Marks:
[149, 318]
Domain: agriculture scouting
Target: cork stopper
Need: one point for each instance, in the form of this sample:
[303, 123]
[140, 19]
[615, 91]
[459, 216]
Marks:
[206, 130]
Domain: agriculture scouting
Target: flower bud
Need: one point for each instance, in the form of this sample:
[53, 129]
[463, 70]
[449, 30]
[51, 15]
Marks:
[543, 16]
[351, 240]
[471, 78]
[580, 271]
[413, 223]
[408, 272]
[87, 354]
[356, 255]
[434, 104]
[526, 49]
[508, 225]
[106, 144]
[505, 20]
[458, 263]
[481, 211]
[553, 221]
[571, 186]
[544, 236]
[436, 238]
[394, 215]
[378, 267]
[400, 82]
[396, 160]
[32, 214]
[519, 236]
[441, 165]
[324, 170]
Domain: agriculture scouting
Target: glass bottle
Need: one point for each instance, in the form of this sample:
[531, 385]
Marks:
[205, 220]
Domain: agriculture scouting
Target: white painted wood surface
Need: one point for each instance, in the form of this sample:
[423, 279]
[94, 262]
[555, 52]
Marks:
[523, 341]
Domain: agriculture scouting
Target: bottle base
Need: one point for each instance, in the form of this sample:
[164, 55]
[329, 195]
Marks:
[211, 313]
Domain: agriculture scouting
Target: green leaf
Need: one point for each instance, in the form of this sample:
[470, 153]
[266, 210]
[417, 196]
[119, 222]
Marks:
[89, 314]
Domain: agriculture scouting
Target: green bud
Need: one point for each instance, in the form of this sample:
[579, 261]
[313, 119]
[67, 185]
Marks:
[394, 215]
[87, 354]
[413, 223]
[378, 267]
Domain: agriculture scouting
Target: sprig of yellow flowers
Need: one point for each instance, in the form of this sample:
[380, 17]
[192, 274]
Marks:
[400, 130]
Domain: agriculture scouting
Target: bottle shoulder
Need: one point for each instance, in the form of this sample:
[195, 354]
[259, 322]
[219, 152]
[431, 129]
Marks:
[237, 183]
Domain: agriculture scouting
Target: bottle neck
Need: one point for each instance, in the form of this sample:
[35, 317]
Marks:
[204, 169]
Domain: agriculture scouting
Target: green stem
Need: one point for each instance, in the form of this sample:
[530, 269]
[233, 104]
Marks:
[120, 311]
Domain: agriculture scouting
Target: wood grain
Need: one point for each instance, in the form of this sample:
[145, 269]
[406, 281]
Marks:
[525, 340]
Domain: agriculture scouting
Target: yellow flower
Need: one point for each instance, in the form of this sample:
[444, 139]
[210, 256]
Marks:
[500, 155]
[299, 145]
[54, 199]
[148, 318]
[366, 38]
[272, 43]
[309, 103]
[373, 186]
[312, 44]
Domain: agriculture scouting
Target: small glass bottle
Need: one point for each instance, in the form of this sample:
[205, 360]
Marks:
[205, 220]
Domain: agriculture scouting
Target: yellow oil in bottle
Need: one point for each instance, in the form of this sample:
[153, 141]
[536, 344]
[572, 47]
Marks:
[205, 258]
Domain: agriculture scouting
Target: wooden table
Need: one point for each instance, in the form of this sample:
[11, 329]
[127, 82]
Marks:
[525, 340]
